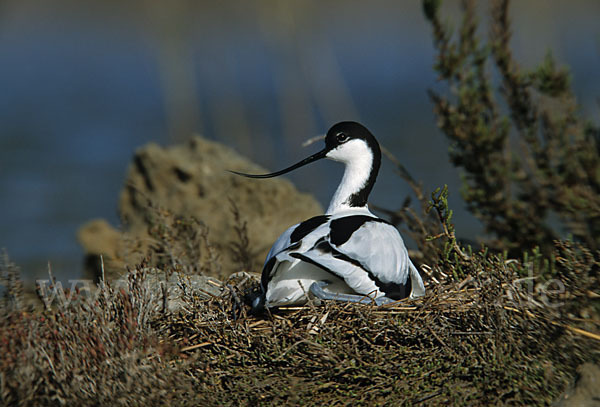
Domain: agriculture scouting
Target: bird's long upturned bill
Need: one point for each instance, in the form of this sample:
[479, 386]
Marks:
[317, 156]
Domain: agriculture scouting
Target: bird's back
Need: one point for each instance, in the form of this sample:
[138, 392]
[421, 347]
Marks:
[356, 251]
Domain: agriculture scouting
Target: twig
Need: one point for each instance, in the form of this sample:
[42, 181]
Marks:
[313, 140]
[579, 331]
[198, 345]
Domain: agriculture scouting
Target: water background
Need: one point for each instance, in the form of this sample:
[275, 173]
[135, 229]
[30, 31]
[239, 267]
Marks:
[84, 83]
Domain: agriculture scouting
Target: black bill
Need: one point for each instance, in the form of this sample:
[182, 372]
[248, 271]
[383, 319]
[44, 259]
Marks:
[312, 158]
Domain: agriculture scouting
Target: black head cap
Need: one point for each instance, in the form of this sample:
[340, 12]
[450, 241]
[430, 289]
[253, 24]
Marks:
[343, 132]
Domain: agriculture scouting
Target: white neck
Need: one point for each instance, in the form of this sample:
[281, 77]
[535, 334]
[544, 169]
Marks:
[356, 174]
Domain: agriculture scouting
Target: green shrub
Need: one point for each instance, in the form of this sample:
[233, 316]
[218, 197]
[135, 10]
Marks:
[525, 164]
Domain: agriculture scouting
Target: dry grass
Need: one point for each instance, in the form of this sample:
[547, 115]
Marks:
[481, 341]
[489, 337]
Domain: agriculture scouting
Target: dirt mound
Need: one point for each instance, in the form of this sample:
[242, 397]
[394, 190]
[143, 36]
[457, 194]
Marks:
[192, 180]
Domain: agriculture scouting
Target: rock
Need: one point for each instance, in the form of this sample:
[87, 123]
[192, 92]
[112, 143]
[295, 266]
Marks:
[192, 180]
[99, 238]
[586, 390]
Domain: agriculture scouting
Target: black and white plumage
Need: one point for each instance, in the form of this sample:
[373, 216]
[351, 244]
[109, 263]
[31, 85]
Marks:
[348, 253]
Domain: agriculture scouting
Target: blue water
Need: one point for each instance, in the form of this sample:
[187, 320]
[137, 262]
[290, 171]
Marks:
[83, 84]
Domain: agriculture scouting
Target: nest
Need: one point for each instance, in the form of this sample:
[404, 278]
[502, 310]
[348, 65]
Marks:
[483, 340]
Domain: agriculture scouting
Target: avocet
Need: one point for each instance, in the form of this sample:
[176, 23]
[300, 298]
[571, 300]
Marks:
[347, 254]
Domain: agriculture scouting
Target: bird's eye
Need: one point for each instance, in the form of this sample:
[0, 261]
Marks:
[342, 137]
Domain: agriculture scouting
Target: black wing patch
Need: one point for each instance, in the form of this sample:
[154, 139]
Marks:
[306, 227]
[343, 228]
[395, 291]
[266, 273]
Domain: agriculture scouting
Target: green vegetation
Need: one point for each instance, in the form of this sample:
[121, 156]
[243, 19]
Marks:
[523, 164]
[505, 324]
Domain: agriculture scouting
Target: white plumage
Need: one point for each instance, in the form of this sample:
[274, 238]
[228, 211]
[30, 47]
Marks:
[375, 245]
[348, 253]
